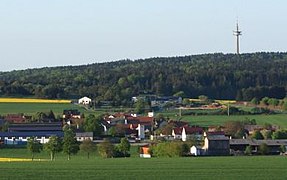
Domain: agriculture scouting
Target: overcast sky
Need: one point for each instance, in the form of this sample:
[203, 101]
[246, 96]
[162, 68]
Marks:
[39, 33]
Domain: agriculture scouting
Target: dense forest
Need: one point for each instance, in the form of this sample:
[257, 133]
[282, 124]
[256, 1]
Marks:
[220, 76]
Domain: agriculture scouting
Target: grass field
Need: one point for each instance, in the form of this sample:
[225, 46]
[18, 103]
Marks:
[79, 167]
[276, 119]
[31, 108]
[208, 120]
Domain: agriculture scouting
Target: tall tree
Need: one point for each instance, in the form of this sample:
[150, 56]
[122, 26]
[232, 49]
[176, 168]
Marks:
[70, 144]
[88, 147]
[33, 146]
[106, 149]
[53, 146]
[93, 124]
[124, 147]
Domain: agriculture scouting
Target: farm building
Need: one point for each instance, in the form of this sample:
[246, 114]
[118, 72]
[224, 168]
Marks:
[85, 101]
[81, 136]
[274, 146]
[71, 113]
[35, 127]
[20, 138]
[216, 144]
[195, 151]
[145, 152]
[184, 133]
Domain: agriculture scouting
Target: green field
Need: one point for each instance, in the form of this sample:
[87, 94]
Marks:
[277, 119]
[31, 108]
[209, 120]
[79, 167]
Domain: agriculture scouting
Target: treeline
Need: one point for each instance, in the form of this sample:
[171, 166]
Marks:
[219, 76]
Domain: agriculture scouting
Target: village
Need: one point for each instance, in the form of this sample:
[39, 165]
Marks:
[147, 131]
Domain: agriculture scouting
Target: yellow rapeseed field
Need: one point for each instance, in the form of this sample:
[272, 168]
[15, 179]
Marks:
[13, 159]
[27, 100]
[19, 160]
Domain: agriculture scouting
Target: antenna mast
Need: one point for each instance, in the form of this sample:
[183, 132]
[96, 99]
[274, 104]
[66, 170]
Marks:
[237, 33]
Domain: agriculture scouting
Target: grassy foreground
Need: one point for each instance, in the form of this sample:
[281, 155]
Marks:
[79, 167]
[155, 168]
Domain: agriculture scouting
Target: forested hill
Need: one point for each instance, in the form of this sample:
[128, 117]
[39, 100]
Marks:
[221, 76]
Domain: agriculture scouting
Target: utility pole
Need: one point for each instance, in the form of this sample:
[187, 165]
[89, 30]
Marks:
[237, 33]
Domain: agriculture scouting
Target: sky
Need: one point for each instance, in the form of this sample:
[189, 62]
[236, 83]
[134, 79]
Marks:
[48, 33]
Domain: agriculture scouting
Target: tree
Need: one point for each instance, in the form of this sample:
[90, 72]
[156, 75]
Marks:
[33, 146]
[267, 134]
[263, 149]
[257, 135]
[53, 146]
[93, 124]
[87, 146]
[203, 98]
[124, 147]
[51, 115]
[282, 148]
[280, 134]
[255, 101]
[106, 149]
[234, 128]
[140, 106]
[248, 150]
[70, 144]
[180, 94]
[264, 101]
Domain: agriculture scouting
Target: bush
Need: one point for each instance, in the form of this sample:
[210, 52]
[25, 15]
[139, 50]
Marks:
[170, 149]
[263, 149]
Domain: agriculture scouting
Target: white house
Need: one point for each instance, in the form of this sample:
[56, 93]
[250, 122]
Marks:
[85, 101]
[195, 150]
[141, 132]
[84, 135]
[187, 132]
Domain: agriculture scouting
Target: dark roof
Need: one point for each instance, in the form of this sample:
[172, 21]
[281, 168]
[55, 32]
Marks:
[218, 138]
[71, 112]
[2, 122]
[30, 134]
[84, 134]
[35, 127]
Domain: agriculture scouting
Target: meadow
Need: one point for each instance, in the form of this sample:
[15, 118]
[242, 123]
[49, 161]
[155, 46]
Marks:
[279, 119]
[32, 108]
[208, 120]
[79, 167]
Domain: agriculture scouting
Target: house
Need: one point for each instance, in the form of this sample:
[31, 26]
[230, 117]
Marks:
[36, 127]
[20, 138]
[216, 144]
[81, 136]
[85, 101]
[195, 150]
[145, 152]
[184, 133]
[15, 118]
[274, 146]
[71, 113]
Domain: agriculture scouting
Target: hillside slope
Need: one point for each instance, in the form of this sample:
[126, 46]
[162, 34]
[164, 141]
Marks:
[221, 76]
